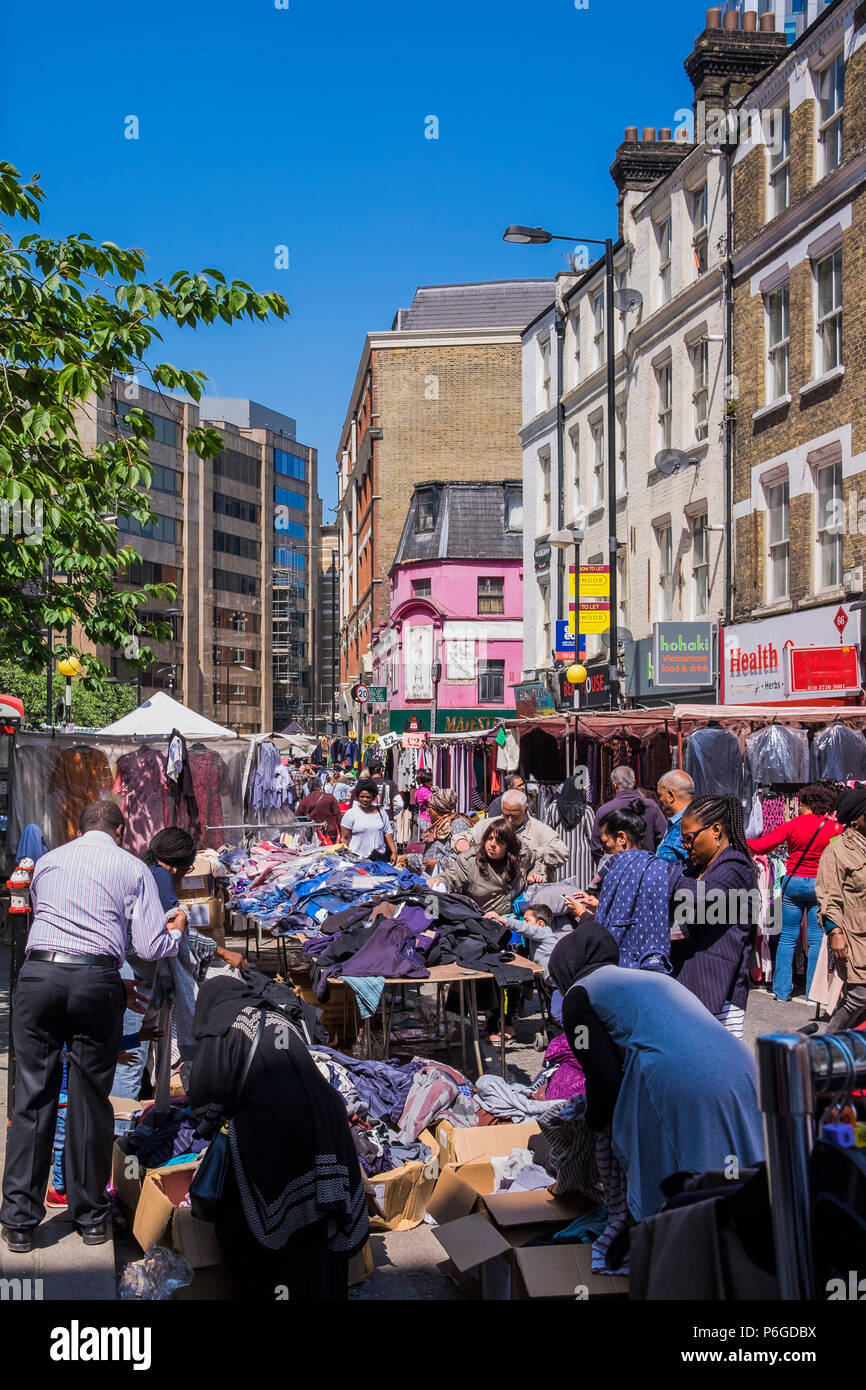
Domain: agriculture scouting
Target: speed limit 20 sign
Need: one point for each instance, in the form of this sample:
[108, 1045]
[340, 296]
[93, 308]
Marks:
[362, 694]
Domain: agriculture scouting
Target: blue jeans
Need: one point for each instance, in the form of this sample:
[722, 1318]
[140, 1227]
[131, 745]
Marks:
[128, 1075]
[798, 897]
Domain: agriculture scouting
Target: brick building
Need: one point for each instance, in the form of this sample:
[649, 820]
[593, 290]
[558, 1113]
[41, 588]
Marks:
[436, 397]
[326, 627]
[799, 273]
[671, 330]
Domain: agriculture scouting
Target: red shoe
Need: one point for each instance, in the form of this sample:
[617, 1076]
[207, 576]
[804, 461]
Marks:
[53, 1198]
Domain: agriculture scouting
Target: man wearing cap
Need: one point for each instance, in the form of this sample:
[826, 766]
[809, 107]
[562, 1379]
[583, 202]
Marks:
[88, 896]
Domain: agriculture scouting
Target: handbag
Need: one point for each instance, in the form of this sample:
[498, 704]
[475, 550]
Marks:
[206, 1188]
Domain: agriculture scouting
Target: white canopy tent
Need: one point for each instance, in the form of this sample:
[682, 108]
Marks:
[157, 716]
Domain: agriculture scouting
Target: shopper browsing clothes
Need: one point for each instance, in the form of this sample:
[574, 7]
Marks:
[87, 896]
[623, 783]
[806, 837]
[366, 829]
[293, 1206]
[633, 900]
[676, 792]
[840, 885]
[496, 871]
[667, 1089]
[715, 909]
[549, 851]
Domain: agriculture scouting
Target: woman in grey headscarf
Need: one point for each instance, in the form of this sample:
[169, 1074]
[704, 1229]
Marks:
[448, 835]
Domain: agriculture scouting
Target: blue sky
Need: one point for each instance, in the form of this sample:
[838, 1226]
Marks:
[304, 127]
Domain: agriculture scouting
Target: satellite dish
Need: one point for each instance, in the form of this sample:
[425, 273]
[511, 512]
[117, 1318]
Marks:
[623, 636]
[673, 461]
[627, 300]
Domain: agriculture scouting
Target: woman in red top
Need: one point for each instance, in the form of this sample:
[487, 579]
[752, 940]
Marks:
[806, 836]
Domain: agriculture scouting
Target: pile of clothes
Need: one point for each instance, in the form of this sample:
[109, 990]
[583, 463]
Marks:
[364, 920]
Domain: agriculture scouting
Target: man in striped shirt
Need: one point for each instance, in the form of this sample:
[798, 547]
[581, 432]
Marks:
[88, 897]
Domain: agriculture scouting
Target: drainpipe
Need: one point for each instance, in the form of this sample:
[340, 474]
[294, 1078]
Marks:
[730, 422]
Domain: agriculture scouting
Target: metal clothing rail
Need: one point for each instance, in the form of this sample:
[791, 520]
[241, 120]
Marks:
[792, 1072]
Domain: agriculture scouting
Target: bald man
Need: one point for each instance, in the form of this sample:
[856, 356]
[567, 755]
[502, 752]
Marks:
[676, 792]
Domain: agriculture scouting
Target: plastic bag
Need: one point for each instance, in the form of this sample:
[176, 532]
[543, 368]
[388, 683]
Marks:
[155, 1277]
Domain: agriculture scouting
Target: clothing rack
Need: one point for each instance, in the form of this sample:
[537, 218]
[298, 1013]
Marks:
[792, 1071]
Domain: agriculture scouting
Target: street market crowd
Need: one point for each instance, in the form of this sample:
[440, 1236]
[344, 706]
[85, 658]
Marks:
[644, 959]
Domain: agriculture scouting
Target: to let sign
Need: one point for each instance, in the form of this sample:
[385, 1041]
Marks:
[823, 670]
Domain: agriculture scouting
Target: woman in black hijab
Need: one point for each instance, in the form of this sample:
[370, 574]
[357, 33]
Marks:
[293, 1209]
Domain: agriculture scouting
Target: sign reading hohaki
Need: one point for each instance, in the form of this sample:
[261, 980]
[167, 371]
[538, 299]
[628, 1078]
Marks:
[594, 599]
[682, 653]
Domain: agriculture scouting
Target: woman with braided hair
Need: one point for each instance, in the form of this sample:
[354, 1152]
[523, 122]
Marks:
[715, 908]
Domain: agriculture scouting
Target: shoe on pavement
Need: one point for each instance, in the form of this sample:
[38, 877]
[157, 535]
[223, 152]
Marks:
[53, 1198]
[19, 1242]
[94, 1235]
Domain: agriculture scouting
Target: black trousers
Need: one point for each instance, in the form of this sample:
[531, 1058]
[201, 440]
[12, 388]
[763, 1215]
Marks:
[81, 1006]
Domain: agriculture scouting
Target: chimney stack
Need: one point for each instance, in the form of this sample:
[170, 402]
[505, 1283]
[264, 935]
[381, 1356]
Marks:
[728, 61]
[640, 163]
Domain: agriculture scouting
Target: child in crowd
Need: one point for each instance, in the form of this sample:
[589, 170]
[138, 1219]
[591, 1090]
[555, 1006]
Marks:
[536, 926]
[423, 794]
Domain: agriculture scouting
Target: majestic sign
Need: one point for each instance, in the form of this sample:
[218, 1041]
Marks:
[683, 654]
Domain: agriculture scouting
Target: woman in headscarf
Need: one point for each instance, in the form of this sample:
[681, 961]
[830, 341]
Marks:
[633, 902]
[293, 1208]
[170, 856]
[715, 908]
[449, 835]
[841, 889]
[668, 1089]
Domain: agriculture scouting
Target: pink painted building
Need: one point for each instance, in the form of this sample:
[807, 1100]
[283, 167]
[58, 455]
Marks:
[456, 607]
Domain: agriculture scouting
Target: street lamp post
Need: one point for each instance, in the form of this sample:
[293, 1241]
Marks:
[537, 236]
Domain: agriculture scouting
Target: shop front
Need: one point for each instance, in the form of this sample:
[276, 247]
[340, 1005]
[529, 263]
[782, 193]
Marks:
[806, 658]
[642, 686]
[448, 721]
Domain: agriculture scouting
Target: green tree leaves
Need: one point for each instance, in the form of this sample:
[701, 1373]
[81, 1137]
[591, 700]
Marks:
[75, 316]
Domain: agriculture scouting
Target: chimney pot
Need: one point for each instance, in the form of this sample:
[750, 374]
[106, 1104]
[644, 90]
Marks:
[714, 19]
[731, 20]
[664, 133]
[750, 21]
[631, 132]
[649, 134]
[767, 23]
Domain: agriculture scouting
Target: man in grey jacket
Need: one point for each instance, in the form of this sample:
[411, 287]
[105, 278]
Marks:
[549, 850]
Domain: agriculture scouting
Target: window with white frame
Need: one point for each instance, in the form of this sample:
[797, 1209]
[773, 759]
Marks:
[544, 374]
[700, 355]
[664, 237]
[544, 511]
[620, 316]
[598, 330]
[575, 347]
[665, 387]
[621, 445]
[546, 647]
[699, 202]
[830, 516]
[778, 342]
[598, 462]
[828, 319]
[574, 442]
[665, 600]
[700, 566]
[622, 586]
[780, 164]
[779, 538]
[831, 95]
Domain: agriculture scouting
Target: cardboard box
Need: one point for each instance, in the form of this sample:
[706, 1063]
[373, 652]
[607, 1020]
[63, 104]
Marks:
[199, 882]
[361, 1266]
[461, 1145]
[482, 1232]
[124, 1107]
[159, 1220]
[562, 1271]
[206, 914]
[127, 1174]
[402, 1194]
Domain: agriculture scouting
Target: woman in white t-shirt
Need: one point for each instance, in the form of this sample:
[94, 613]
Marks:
[365, 828]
